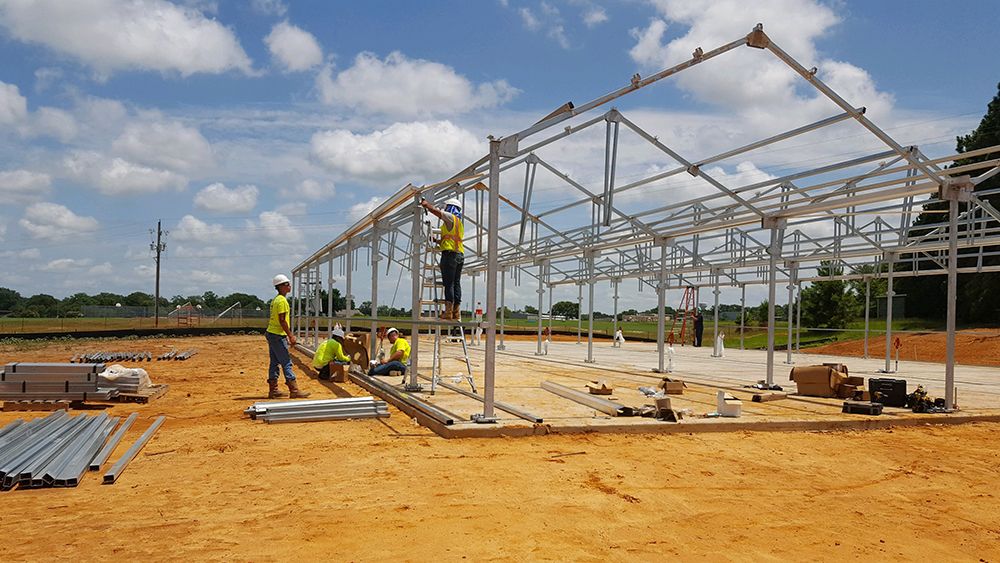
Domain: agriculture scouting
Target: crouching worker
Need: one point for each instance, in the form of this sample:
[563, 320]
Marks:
[330, 352]
[399, 354]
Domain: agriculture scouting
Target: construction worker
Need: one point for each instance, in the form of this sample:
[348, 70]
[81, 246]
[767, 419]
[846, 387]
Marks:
[452, 254]
[699, 329]
[619, 338]
[331, 351]
[279, 338]
[399, 354]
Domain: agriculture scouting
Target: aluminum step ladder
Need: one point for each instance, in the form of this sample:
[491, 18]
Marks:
[432, 307]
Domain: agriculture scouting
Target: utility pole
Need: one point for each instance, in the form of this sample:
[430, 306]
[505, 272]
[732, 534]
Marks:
[159, 246]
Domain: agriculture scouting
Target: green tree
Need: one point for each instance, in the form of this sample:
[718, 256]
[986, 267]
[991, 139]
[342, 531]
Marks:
[138, 299]
[105, 299]
[9, 299]
[210, 300]
[828, 304]
[531, 310]
[73, 305]
[976, 292]
[41, 305]
[567, 309]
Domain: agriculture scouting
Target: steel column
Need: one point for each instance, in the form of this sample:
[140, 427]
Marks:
[774, 250]
[614, 330]
[492, 241]
[348, 297]
[416, 280]
[792, 273]
[949, 367]
[868, 293]
[661, 303]
[541, 295]
[579, 313]
[376, 240]
[715, 335]
[743, 310]
[590, 309]
[889, 298]
[330, 313]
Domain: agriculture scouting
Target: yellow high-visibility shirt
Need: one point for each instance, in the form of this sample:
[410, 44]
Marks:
[329, 351]
[278, 305]
[452, 239]
[401, 344]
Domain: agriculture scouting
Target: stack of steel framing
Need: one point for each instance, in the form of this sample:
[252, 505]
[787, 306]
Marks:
[320, 409]
[54, 451]
[105, 357]
[25, 381]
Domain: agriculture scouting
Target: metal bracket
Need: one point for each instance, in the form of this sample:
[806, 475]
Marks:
[693, 170]
[414, 387]
[613, 116]
[479, 418]
[959, 188]
[771, 222]
[508, 146]
[757, 38]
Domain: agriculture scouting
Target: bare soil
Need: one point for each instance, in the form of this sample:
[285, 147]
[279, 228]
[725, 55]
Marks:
[213, 485]
[974, 347]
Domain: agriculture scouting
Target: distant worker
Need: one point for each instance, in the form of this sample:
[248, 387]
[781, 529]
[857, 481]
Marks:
[331, 351]
[452, 254]
[547, 336]
[279, 338]
[399, 354]
[478, 317]
[619, 338]
[699, 329]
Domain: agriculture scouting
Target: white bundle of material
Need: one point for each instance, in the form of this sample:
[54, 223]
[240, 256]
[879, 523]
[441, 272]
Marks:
[125, 380]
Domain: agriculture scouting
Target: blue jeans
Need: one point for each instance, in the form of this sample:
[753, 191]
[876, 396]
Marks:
[451, 275]
[277, 348]
[385, 368]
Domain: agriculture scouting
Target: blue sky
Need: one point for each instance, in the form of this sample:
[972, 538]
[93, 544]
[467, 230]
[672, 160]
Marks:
[257, 130]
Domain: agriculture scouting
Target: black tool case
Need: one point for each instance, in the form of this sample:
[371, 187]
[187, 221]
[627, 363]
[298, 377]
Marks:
[892, 391]
[862, 407]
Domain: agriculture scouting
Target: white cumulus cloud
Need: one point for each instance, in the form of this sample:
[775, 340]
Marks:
[164, 144]
[13, 106]
[117, 176]
[23, 185]
[310, 189]
[293, 47]
[594, 16]
[55, 123]
[220, 199]
[359, 210]
[192, 229]
[66, 264]
[414, 151]
[404, 87]
[277, 230]
[113, 35]
[51, 220]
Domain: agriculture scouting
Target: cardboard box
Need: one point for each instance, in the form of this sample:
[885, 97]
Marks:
[842, 368]
[671, 387]
[338, 372]
[817, 381]
[769, 396]
[855, 380]
[862, 395]
[845, 391]
[728, 406]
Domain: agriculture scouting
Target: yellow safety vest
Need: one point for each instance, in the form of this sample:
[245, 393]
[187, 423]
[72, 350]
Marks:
[452, 239]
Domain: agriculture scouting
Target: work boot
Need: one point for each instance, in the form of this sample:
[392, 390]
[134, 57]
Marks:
[274, 392]
[456, 312]
[446, 315]
[293, 390]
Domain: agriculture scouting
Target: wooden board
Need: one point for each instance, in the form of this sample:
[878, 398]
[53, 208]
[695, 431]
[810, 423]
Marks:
[19, 406]
[144, 396]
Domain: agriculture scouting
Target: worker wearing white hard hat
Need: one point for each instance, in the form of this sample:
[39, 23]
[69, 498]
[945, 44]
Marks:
[452, 254]
[279, 338]
[399, 354]
[331, 351]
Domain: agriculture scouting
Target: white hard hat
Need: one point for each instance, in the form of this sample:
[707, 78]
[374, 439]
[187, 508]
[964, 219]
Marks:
[337, 332]
[391, 330]
[453, 201]
[280, 279]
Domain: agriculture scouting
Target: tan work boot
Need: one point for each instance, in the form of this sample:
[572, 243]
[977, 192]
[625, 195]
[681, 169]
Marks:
[293, 390]
[446, 315]
[456, 312]
[274, 392]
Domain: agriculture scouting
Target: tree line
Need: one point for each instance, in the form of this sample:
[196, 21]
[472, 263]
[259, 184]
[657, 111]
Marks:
[43, 305]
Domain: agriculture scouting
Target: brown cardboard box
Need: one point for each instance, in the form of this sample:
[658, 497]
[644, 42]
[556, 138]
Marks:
[845, 391]
[817, 381]
[671, 387]
[862, 395]
[842, 368]
[855, 380]
[338, 373]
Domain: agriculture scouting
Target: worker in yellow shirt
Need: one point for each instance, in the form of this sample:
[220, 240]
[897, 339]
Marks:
[399, 354]
[331, 351]
[452, 254]
[279, 338]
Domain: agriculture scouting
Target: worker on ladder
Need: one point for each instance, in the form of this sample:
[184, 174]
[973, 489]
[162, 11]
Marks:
[452, 254]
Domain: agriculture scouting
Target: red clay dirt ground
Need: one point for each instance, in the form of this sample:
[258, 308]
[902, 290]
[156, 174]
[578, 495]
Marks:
[212, 485]
[974, 347]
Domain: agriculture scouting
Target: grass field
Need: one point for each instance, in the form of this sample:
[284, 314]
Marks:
[14, 326]
[754, 337]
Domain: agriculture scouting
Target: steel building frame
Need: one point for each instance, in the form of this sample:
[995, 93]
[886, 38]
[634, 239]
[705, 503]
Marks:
[846, 213]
